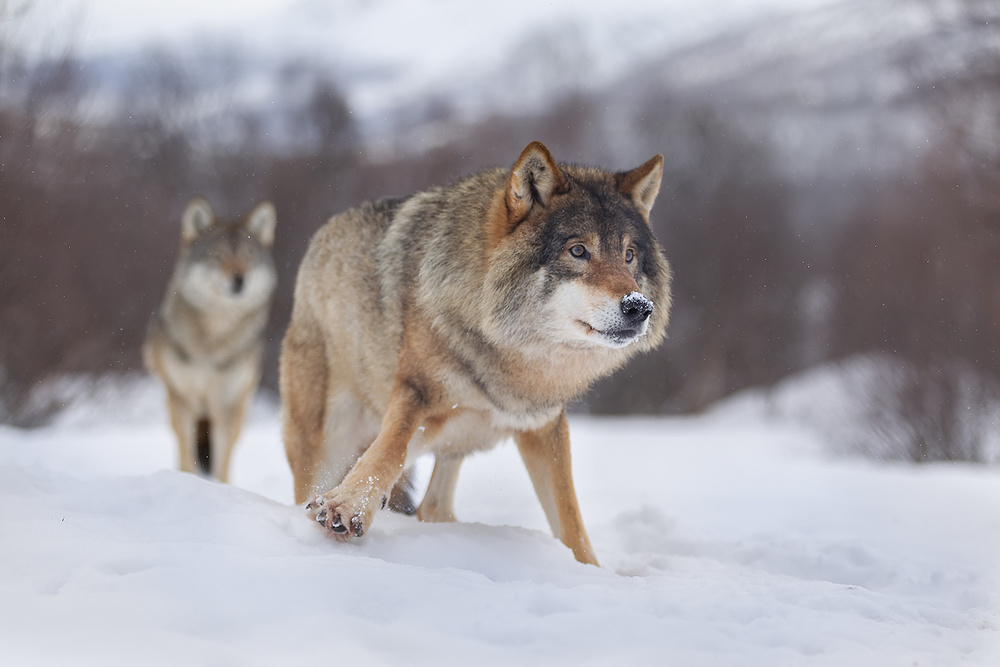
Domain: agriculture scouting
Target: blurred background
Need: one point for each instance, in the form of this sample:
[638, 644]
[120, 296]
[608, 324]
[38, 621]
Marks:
[831, 198]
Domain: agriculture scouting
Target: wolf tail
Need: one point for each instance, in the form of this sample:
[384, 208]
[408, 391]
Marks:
[204, 446]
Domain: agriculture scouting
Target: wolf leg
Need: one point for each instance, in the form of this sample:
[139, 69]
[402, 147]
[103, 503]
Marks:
[348, 510]
[546, 455]
[401, 497]
[438, 502]
[304, 398]
[184, 423]
[227, 422]
[224, 434]
[348, 428]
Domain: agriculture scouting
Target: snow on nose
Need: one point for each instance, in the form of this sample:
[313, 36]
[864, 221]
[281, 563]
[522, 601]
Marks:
[636, 308]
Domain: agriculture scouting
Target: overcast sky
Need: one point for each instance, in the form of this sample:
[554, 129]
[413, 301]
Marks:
[97, 26]
[105, 26]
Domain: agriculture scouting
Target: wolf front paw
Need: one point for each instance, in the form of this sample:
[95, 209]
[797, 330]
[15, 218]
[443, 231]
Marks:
[338, 516]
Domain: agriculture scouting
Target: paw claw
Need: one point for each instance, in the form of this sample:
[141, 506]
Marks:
[330, 512]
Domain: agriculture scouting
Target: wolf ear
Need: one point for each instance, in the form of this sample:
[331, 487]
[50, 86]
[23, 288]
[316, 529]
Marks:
[198, 218]
[533, 180]
[642, 184]
[260, 223]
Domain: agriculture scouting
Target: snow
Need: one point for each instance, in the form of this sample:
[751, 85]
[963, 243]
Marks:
[730, 538]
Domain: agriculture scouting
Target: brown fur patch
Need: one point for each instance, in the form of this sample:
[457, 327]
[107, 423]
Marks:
[611, 276]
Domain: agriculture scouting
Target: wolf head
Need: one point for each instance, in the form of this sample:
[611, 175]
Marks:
[598, 278]
[226, 263]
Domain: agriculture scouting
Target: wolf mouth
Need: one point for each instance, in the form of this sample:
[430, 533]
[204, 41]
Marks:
[619, 337]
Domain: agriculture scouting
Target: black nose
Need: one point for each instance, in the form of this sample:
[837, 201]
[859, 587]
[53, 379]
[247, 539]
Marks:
[237, 283]
[636, 308]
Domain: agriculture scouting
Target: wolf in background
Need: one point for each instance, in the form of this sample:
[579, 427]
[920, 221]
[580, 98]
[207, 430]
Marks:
[450, 320]
[205, 343]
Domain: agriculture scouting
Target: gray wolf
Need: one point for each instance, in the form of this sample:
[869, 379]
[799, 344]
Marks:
[455, 318]
[205, 343]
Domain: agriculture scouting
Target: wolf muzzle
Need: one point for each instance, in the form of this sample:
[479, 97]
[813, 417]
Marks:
[635, 310]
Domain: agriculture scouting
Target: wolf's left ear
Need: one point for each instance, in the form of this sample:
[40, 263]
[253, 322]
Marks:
[260, 223]
[642, 184]
[533, 181]
[198, 218]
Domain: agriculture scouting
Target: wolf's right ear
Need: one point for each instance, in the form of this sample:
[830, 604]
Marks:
[198, 218]
[533, 180]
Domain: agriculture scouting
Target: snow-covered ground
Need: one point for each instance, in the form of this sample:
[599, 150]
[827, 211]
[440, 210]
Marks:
[727, 539]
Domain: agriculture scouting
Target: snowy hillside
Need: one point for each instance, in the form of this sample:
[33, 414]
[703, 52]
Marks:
[397, 53]
[725, 540]
[811, 74]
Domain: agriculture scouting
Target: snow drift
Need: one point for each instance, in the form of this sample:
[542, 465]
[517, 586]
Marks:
[727, 539]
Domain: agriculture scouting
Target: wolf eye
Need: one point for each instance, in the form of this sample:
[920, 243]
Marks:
[629, 256]
[579, 251]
